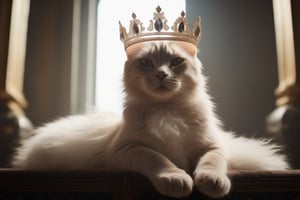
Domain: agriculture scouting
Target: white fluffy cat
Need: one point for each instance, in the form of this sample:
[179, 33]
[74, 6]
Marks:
[168, 132]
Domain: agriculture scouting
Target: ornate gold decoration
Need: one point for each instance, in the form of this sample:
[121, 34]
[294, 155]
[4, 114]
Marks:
[158, 29]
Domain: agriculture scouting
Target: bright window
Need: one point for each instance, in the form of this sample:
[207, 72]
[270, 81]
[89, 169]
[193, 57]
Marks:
[110, 51]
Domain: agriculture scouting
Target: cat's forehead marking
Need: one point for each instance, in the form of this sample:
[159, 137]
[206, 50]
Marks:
[160, 49]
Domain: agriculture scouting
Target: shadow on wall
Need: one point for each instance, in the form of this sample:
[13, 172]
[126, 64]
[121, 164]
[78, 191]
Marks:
[238, 53]
[48, 60]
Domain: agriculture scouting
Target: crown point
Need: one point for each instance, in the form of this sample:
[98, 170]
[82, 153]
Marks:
[181, 27]
[197, 32]
[158, 29]
[122, 32]
[197, 28]
[158, 25]
[158, 9]
[182, 14]
[135, 28]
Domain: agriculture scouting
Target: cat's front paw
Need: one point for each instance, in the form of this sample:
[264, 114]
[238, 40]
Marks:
[174, 183]
[212, 183]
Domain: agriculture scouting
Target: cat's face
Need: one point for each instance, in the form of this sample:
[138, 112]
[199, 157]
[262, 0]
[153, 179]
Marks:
[160, 71]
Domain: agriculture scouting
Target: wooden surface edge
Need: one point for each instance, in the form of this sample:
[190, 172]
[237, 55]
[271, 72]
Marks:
[98, 181]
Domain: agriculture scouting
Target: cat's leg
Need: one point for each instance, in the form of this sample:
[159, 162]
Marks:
[165, 176]
[210, 174]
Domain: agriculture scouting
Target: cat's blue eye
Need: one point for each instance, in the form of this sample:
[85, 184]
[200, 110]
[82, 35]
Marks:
[145, 62]
[176, 61]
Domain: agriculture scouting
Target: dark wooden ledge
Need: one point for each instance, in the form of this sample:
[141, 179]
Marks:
[104, 185]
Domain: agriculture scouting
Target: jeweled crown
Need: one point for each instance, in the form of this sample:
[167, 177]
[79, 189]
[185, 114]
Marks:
[158, 29]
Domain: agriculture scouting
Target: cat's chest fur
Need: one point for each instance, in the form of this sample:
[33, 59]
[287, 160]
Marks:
[166, 125]
[174, 132]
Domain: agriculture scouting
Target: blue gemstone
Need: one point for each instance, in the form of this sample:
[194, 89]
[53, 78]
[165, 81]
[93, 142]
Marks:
[135, 28]
[181, 27]
[158, 25]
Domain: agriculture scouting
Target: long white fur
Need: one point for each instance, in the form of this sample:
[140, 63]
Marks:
[173, 138]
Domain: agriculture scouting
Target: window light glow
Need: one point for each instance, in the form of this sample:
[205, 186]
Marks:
[110, 50]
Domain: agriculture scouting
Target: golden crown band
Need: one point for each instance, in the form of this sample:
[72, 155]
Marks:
[159, 30]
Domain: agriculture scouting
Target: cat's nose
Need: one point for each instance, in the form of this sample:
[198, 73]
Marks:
[161, 75]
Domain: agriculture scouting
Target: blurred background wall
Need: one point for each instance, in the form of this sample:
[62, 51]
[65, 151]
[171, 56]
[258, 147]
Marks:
[48, 60]
[237, 50]
[239, 55]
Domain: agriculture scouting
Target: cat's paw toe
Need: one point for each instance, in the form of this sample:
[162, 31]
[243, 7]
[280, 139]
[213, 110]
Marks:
[212, 183]
[174, 184]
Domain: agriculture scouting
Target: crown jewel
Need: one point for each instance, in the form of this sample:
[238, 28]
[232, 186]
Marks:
[158, 29]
